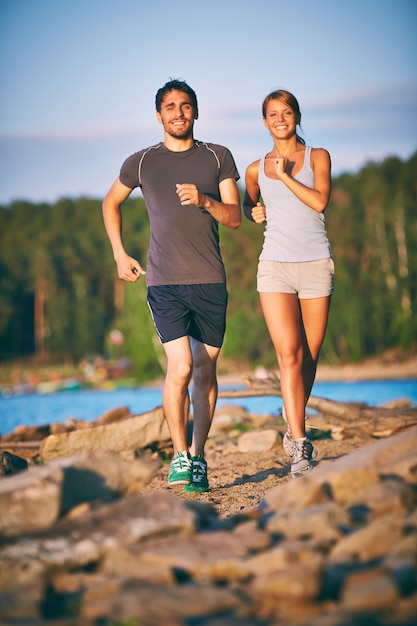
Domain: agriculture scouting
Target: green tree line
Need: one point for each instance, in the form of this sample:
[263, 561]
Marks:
[60, 296]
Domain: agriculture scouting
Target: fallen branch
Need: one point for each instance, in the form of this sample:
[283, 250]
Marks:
[339, 410]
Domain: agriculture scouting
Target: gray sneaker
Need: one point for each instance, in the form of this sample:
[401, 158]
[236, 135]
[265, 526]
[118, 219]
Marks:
[287, 444]
[287, 439]
[303, 453]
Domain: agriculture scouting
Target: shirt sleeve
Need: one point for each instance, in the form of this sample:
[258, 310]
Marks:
[228, 167]
[129, 172]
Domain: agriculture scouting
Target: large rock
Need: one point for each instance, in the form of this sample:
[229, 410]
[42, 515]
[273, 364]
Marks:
[134, 433]
[36, 499]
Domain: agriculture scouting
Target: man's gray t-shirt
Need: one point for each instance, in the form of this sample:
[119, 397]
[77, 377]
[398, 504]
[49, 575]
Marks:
[184, 242]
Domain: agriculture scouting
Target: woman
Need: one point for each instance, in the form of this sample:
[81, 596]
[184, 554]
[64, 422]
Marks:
[289, 189]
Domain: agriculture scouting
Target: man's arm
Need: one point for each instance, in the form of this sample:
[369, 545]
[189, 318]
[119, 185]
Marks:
[226, 212]
[128, 268]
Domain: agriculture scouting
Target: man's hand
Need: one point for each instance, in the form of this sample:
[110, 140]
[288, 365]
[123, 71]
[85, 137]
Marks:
[226, 211]
[189, 194]
[129, 269]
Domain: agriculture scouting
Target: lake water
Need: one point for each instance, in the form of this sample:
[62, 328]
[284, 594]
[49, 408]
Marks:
[88, 405]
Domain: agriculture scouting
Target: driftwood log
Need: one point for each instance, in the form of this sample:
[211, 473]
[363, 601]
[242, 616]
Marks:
[378, 421]
[271, 386]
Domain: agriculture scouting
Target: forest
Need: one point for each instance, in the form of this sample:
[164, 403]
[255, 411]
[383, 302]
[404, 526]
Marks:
[60, 298]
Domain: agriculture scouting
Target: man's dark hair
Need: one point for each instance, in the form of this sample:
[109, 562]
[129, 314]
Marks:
[178, 85]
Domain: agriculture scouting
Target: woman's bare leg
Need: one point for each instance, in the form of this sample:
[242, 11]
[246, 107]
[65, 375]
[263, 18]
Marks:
[314, 314]
[283, 319]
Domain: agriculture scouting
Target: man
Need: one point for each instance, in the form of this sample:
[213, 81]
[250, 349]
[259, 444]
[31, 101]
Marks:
[189, 188]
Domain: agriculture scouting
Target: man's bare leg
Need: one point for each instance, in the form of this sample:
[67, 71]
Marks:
[175, 396]
[204, 393]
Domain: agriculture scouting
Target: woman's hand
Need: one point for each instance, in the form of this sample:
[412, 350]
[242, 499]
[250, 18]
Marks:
[280, 165]
[259, 213]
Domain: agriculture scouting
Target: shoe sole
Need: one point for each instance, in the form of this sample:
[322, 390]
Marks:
[180, 481]
[193, 489]
[303, 472]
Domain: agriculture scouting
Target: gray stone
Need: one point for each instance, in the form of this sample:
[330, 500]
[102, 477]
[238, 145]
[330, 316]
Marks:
[134, 433]
[11, 463]
[370, 590]
[30, 500]
[372, 541]
[205, 557]
[258, 441]
[155, 605]
[388, 496]
[128, 562]
[327, 520]
[114, 415]
[19, 605]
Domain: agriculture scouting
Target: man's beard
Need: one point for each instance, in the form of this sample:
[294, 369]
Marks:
[187, 133]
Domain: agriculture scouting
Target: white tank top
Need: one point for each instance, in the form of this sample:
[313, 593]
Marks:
[294, 232]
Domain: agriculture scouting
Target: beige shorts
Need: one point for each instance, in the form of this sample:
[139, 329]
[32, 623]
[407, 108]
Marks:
[310, 279]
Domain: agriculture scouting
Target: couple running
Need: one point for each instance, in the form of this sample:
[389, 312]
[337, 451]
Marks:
[190, 187]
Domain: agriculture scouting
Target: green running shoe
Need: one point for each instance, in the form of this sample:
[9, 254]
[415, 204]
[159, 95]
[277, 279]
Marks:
[199, 482]
[180, 472]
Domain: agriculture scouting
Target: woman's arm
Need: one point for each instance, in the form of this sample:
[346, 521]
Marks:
[318, 197]
[252, 208]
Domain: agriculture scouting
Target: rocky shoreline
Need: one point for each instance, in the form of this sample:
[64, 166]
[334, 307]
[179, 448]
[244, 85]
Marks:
[92, 536]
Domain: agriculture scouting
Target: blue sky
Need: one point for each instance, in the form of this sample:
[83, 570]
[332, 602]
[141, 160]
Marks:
[79, 79]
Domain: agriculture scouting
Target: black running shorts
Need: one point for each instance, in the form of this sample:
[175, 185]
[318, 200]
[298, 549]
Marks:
[197, 311]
